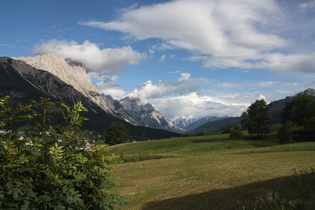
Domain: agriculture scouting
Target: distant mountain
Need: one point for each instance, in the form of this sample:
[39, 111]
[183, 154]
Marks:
[190, 124]
[183, 122]
[218, 126]
[24, 82]
[146, 114]
[275, 111]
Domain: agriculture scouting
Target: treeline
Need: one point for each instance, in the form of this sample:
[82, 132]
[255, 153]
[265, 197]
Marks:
[300, 111]
[46, 161]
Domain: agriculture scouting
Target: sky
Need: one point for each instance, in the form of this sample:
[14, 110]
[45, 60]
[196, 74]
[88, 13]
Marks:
[189, 58]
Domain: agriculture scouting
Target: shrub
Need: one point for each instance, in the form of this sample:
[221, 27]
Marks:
[45, 166]
[236, 132]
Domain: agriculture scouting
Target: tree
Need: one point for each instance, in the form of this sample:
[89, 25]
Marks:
[53, 170]
[285, 132]
[117, 133]
[236, 132]
[257, 118]
[301, 110]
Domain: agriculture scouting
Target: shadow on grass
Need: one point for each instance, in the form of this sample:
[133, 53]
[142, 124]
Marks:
[292, 192]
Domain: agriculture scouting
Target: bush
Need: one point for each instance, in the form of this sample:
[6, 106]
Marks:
[44, 165]
[236, 132]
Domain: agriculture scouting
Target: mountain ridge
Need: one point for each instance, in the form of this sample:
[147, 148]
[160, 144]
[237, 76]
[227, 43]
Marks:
[74, 73]
[24, 83]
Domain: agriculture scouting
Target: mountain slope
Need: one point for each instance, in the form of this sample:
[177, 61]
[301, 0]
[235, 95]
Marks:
[146, 114]
[24, 82]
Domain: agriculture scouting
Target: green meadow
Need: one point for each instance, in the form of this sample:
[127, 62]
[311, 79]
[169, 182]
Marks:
[215, 172]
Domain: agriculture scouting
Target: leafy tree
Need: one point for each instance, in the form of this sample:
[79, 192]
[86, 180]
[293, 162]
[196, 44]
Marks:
[227, 130]
[117, 133]
[301, 110]
[257, 118]
[285, 132]
[53, 169]
[236, 132]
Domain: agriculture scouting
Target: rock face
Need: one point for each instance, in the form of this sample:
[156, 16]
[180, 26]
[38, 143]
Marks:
[146, 114]
[309, 92]
[72, 73]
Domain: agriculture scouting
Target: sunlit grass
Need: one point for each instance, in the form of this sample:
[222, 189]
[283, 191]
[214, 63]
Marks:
[209, 172]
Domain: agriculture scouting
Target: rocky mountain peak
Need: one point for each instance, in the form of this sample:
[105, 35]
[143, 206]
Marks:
[309, 92]
[70, 72]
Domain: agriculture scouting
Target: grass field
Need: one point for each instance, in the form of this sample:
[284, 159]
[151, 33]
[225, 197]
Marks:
[212, 172]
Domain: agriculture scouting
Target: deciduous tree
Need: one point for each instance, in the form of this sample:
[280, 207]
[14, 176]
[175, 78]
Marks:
[117, 133]
[257, 118]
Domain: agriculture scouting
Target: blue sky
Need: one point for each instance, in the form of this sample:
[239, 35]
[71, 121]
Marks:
[186, 57]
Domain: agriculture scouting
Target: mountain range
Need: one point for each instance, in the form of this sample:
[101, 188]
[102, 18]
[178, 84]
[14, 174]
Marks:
[67, 81]
[25, 79]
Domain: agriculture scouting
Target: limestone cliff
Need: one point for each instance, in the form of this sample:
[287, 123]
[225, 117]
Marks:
[72, 73]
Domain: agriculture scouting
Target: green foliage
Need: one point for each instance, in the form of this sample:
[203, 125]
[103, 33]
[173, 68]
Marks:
[50, 167]
[236, 132]
[116, 134]
[285, 132]
[301, 110]
[257, 118]
[227, 130]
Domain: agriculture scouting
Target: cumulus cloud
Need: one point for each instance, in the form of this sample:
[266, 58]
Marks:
[196, 106]
[184, 85]
[225, 33]
[91, 56]
[102, 64]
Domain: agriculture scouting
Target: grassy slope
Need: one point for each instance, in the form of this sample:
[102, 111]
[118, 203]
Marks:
[209, 172]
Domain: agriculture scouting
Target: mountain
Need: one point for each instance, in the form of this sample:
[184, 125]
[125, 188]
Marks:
[146, 114]
[184, 122]
[275, 111]
[24, 82]
[190, 124]
[218, 126]
[70, 72]
[74, 73]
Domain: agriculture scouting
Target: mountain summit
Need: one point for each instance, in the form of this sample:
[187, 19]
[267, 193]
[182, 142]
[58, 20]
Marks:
[146, 114]
[72, 73]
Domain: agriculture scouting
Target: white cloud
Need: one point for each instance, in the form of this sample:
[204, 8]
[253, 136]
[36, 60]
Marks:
[102, 64]
[196, 106]
[162, 58]
[225, 33]
[307, 5]
[183, 86]
[113, 90]
[91, 56]
[228, 85]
